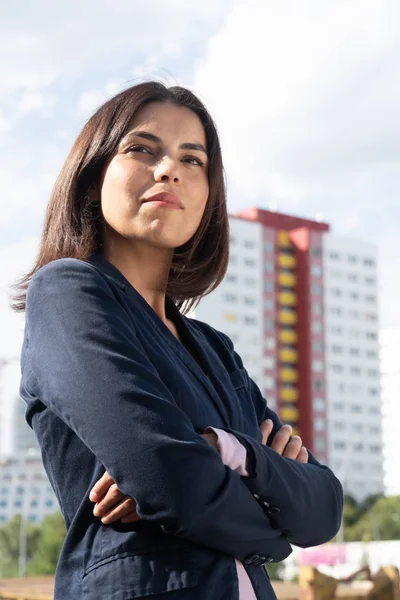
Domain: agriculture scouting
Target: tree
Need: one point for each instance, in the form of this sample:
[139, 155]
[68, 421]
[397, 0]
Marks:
[9, 545]
[52, 534]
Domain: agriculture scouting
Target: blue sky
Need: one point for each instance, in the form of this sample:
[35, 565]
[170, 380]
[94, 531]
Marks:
[305, 94]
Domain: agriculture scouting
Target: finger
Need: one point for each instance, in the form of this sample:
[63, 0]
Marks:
[124, 508]
[112, 497]
[293, 448]
[101, 487]
[303, 455]
[132, 517]
[266, 430]
[281, 439]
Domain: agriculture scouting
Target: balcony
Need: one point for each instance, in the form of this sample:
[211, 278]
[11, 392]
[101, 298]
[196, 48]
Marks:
[288, 375]
[288, 355]
[287, 336]
[287, 261]
[287, 317]
[287, 299]
[290, 414]
[283, 239]
[287, 279]
[289, 394]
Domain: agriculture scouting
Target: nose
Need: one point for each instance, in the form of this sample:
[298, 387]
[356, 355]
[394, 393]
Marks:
[166, 170]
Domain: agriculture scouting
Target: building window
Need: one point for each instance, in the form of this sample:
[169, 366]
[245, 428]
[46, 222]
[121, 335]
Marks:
[372, 373]
[318, 385]
[337, 349]
[355, 408]
[232, 259]
[372, 354]
[335, 310]
[316, 327]
[268, 267]
[269, 343]
[231, 298]
[316, 251]
[268, 247]
[338, 406]
[269, 324]
[352, 259]
[317, 347]
[249, 262]
[354, 314]
[316, 271]
[334, 256]
[269, 286]
[337, 368]
[268, 304]
[369, 262]
[230, 317]
[373, 392]
[370, 299]
[316, 290]
[318, 404]
[250, 281]
[319, 424]
[231, 278]
[354, 351]
[336, 292]
[369, 280]
[316, 308]
[250, 320]
[339, 445]
[371, 335]
[250, 301]
[354, 296]
[269, 382]
[370, 317]
[353, 277]
[338, 425]
[269, 362]
[355, 370]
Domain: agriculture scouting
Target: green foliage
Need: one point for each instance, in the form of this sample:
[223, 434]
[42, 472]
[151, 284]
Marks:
[379, 519]
[52, 534]
[9, 545]
[274, 570]
[43, 545]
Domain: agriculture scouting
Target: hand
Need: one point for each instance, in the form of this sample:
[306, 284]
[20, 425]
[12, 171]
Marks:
[211, 438]
[282, 444]
[111, 504]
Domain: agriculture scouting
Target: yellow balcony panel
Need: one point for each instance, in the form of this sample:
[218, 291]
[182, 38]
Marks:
[287, 317]
[287, 261]
[287, 336]
[288, 355]
[283, 239]
[288, 375]
[287, 279]
[287, 299]
[289, 394]
[296, 431]
[290, 414]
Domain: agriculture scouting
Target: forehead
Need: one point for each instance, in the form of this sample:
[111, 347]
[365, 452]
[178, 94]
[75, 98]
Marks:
[166, 119]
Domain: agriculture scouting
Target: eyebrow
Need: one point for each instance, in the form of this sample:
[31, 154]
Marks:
[154, 138]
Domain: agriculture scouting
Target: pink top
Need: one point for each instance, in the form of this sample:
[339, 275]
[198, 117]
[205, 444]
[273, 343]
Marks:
[233, 455]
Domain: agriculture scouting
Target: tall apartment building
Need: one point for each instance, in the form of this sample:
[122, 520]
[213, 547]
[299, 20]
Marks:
[390, 351]
[300, 306]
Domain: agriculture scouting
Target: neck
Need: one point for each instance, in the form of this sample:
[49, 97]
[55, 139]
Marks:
[146, 268]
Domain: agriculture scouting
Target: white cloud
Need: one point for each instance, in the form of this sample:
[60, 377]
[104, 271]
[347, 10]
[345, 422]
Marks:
[305, 96]
[32, 102]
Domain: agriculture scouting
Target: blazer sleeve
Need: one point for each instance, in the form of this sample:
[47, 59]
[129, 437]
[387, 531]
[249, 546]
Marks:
[305, 501]
[87, 365]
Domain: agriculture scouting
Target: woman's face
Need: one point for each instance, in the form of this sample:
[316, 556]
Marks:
[163, 151]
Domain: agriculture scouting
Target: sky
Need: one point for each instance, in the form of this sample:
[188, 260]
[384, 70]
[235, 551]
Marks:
[305, 94]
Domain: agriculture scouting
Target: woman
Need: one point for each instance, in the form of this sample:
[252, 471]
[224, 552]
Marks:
[135, 406]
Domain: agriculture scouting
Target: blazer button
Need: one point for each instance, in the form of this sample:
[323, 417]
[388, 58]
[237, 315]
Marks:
[273, 510]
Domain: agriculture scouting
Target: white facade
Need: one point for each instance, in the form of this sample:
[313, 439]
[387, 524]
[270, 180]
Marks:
[235, 307]
[15, 434]
[25, 488]
[352, 362]
[390, 361]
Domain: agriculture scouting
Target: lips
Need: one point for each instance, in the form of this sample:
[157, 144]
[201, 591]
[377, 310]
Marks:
[166, 197]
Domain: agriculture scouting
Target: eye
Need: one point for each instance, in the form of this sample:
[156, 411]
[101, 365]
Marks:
[193, 160]
[140, 149]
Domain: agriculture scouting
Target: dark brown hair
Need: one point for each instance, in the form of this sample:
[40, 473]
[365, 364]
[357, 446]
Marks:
[73, 224]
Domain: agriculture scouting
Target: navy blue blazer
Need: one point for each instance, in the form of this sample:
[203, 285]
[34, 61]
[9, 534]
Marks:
[109, 387]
